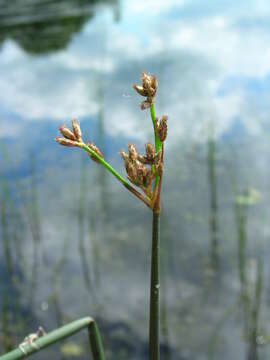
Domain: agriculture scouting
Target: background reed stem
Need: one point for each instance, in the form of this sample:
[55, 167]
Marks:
[62, 333]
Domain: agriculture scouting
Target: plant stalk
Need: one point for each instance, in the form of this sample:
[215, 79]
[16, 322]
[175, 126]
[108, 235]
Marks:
[60, 334]
[158, 143]
[154, 322]
[117, 175]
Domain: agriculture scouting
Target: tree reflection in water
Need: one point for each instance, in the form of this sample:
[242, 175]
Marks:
[41, 27]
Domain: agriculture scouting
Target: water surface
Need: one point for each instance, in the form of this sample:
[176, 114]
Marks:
[73, 242]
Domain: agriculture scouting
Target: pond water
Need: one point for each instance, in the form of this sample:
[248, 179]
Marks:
[73, 241]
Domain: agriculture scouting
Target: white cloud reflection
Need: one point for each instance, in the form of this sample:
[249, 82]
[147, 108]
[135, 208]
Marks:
[203, 53]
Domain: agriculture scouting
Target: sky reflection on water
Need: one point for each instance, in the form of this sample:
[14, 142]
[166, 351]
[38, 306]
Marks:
[74, 242]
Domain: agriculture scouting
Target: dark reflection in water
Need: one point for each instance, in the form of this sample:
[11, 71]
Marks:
[41, 27]
[213, 216]
[16, 316]
[250, 294]
[73, 243]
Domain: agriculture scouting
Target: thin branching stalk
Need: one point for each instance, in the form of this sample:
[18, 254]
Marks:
[116, 174]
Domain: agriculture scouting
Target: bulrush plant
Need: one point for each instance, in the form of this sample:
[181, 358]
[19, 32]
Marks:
[144, 174]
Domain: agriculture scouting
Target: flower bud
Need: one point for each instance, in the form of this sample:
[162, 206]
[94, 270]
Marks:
[142, 159]
[68, 134]
[140, 90]
[159, 168]
[77, 130]
[150, 152]
[131, 172]
[146, 80]
[162, 128]
[157, 158]
[141, 173]
[124, 155]
[66, 142]
[132, 152]
[154, 82]
[151, 93]
[92, 146]
[149, 177]
[145, 105]
[147, 89]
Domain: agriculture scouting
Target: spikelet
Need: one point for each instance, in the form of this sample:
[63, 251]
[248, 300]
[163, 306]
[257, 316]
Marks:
[148, 89]
[67, 133]
[76, 130]
[162, 128]
[93, 147]
[66, 142]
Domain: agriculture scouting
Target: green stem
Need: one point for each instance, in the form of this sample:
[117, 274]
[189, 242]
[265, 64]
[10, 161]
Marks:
[158, 143]
[60, 334]
[104, 163]
[116, 174]
[154, 351]
[95, 342]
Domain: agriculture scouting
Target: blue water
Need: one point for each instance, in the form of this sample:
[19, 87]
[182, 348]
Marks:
[73, 242]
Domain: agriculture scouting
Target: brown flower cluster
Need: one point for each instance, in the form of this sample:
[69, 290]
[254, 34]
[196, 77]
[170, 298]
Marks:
[138, 172]
[148, 89]
[143, 170]
[73, 138]
[161, 127]
[70, 137]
